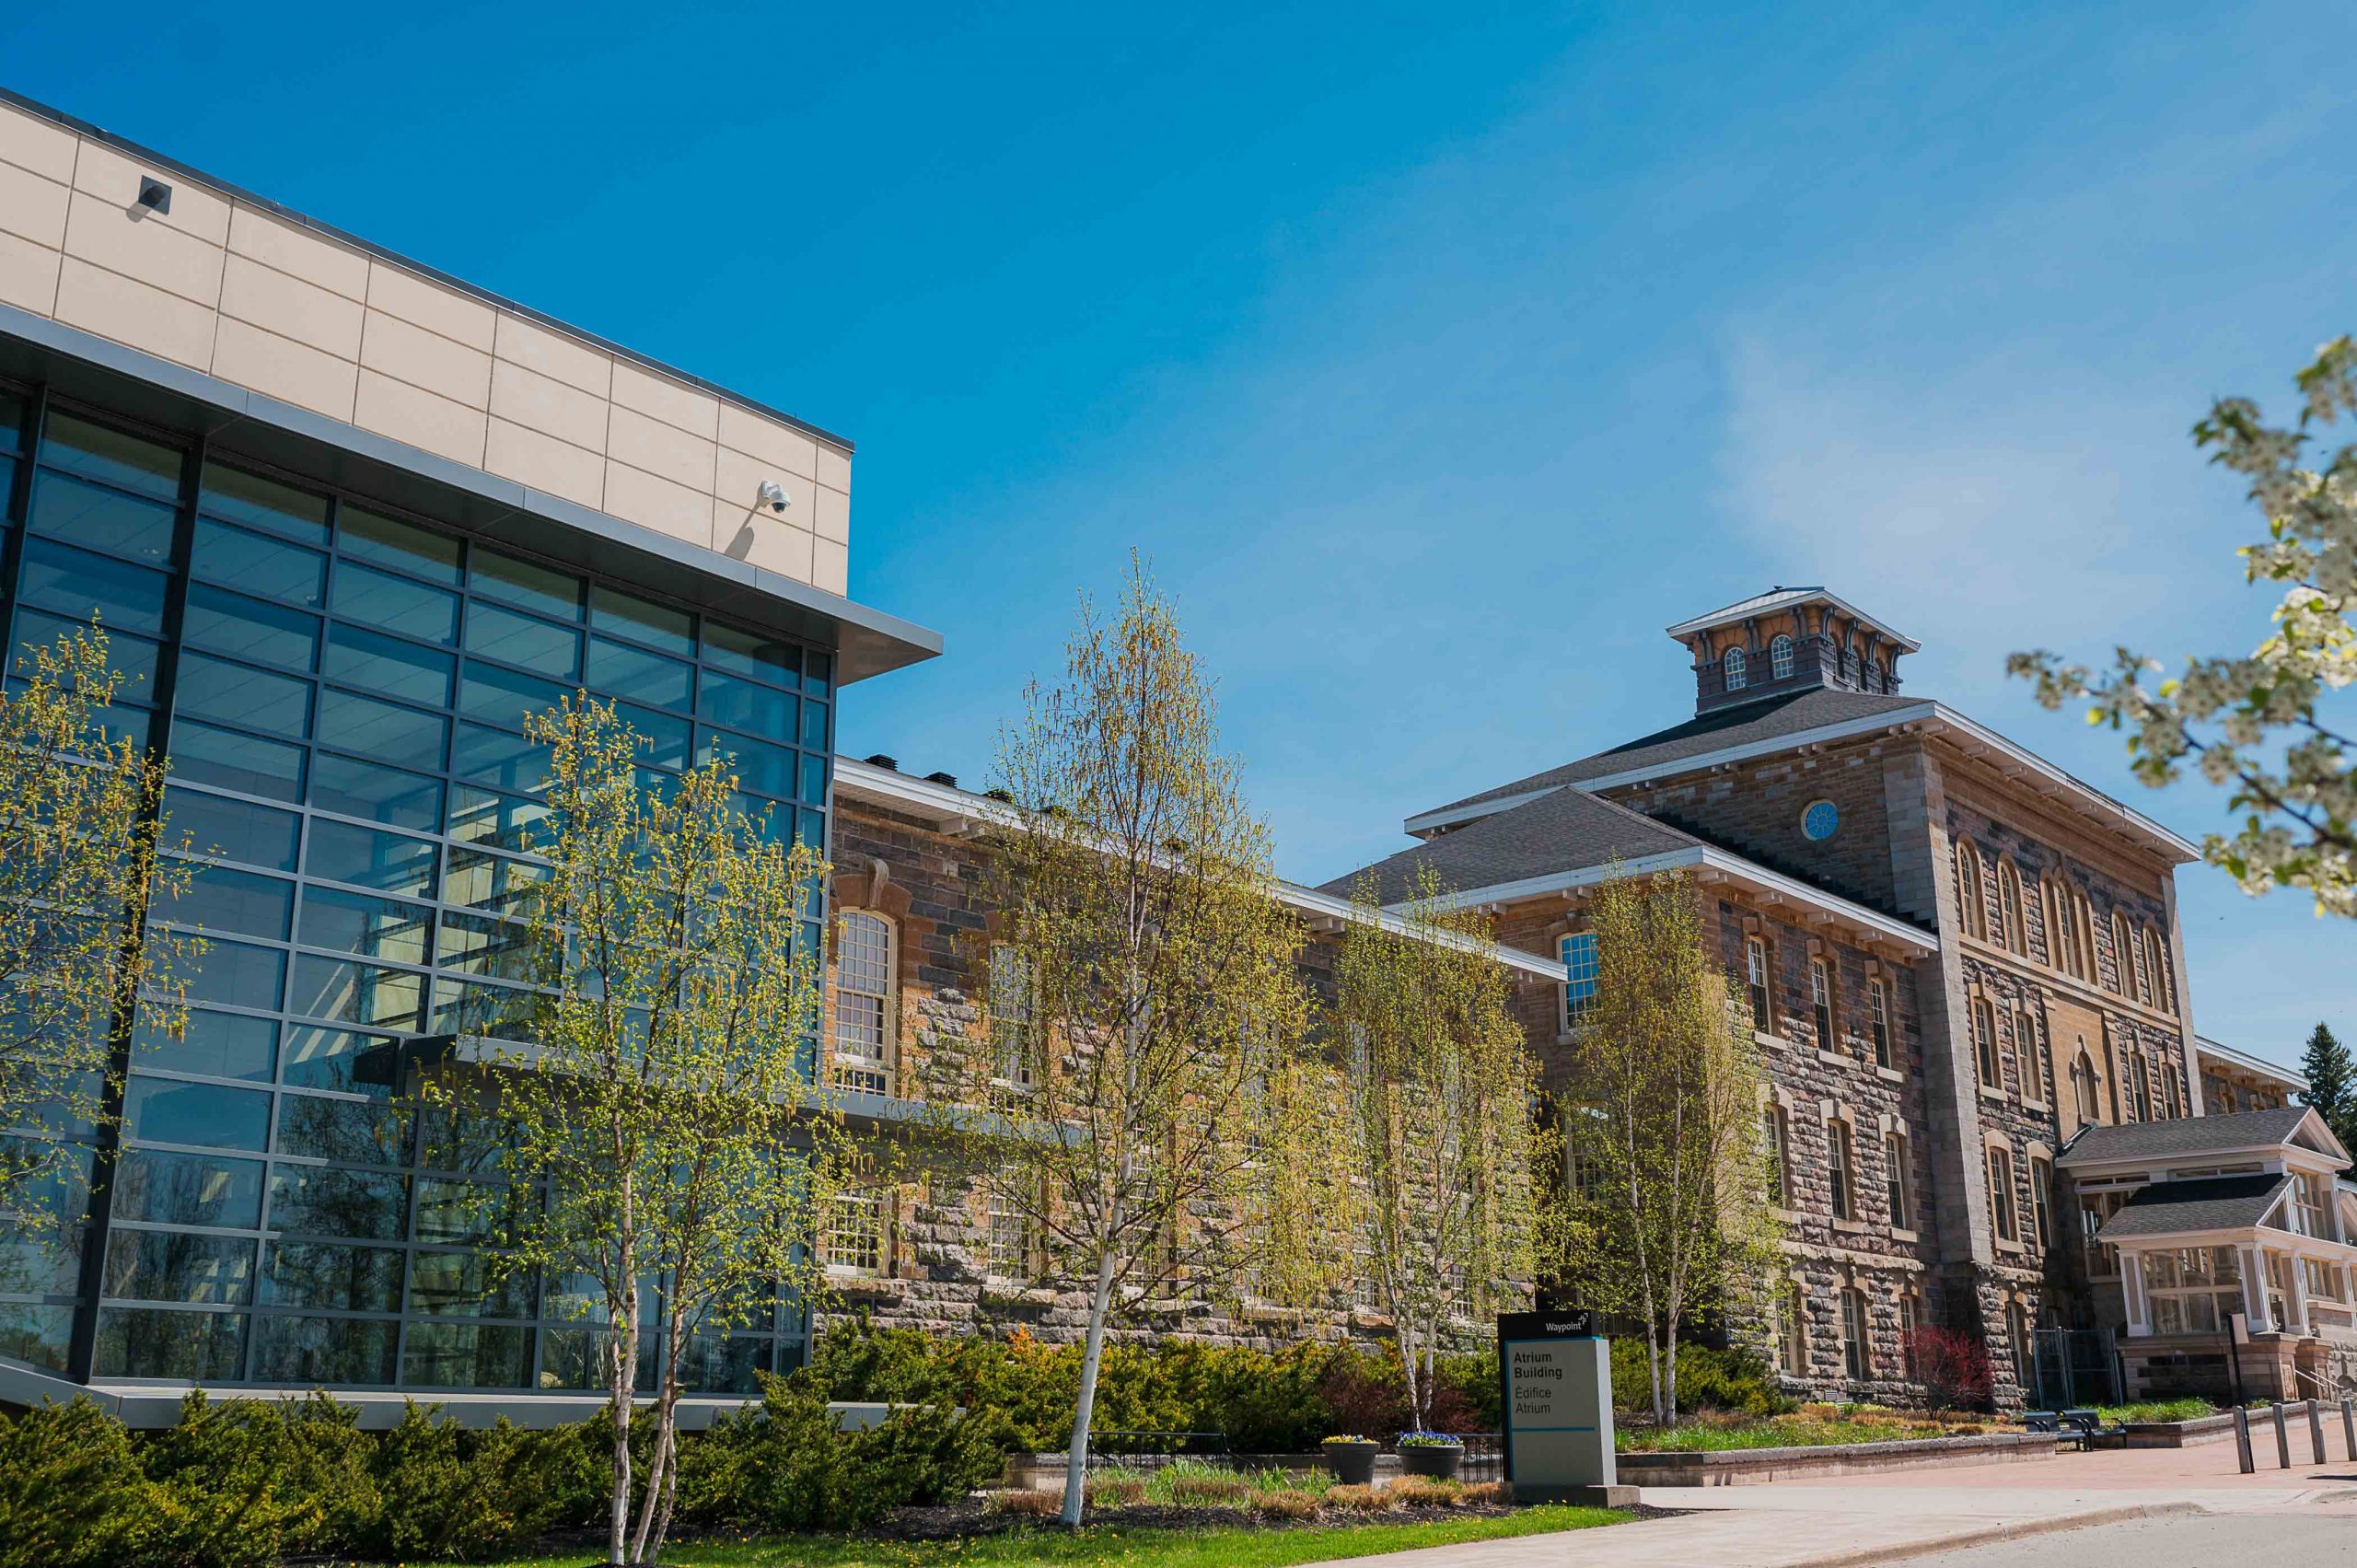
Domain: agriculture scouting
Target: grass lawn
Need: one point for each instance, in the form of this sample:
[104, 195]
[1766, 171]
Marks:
[1113, 1544]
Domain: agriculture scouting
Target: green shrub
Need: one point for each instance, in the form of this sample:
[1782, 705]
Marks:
[450, 1494]
[70, 1488]
[225, 1489]
[1707, 1379]
[782, 1466]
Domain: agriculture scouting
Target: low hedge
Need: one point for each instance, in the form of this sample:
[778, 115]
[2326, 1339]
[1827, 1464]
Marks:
[242, 1484]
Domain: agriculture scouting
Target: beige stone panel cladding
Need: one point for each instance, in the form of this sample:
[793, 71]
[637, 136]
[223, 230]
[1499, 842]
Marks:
[257, 298]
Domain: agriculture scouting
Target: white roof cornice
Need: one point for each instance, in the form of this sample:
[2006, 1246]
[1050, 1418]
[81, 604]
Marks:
[961, 814]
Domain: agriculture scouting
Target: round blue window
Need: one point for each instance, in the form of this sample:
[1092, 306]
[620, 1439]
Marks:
[1821, 821]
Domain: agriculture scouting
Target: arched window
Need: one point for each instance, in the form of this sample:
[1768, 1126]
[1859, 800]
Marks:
[2009, 908]
[2066, 937]
[2083, 1086]
[864, 1020]
[1736, 678]
[1780, 657]
[2123, 956]
[2157, 958]
[1971, 899]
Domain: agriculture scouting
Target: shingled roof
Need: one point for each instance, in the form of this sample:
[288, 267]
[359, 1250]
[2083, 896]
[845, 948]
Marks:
[1768, 719]
[1568, 830]
[2210, 1203]
[2186, 1135]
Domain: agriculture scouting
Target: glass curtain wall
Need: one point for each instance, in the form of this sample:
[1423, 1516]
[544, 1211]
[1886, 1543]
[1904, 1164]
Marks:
[341, 692]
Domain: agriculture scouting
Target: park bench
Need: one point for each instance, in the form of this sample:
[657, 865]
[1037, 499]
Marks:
[2093, 1433]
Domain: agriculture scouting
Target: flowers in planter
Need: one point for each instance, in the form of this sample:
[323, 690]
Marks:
[1426, 1440]
[1348, 1437]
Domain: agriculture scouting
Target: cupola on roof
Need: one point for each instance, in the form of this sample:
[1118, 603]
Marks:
[1789, 640]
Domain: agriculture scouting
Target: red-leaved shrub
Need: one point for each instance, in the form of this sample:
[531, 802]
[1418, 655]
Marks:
[1952, 1367]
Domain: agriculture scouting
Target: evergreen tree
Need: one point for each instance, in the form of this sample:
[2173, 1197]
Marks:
[2332, 1083]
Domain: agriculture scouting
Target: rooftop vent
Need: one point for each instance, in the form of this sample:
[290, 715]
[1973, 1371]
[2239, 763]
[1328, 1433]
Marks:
[947, 781]
[889, 765]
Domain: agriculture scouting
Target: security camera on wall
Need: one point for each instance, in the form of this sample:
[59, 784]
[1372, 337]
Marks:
[774, 495]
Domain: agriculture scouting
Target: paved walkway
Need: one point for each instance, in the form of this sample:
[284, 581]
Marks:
[1891, 1514]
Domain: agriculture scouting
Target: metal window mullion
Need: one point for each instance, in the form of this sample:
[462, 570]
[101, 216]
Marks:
[81, 1351]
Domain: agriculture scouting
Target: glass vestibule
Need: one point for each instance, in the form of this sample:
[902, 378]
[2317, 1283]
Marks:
[341, 692]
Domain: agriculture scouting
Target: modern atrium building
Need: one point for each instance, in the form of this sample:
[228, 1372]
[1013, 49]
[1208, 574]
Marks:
[345, 521]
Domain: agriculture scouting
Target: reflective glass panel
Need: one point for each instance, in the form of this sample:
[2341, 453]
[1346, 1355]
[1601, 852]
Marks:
[396, 604]
[234, 694]
[369, 536]
[372, 928]
[104, 519]
[163, 1265]
[341, 1058]
[620, 670]
[388, 665]
[516, 639]
[263, 503]
[220, 899]
[526, 584]
[196, 1190]
[84, 586]
[311, 1200]
[233, 830]
[332, 1274]
[164, 1111]
[94, 451]
[358, 994]
[256, 563]
[234, 974]
[368, 789]
[243, 763]
[749, 653]
[350, 1131]
[219, 1045]
[642, 620]
[148, 1342]
[248, 628]
[324, 1352]
[387, 861]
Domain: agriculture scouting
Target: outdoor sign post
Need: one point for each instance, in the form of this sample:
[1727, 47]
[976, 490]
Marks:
[1555, 1404]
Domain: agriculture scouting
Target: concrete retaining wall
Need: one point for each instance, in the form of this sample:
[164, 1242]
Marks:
[1736, 1467]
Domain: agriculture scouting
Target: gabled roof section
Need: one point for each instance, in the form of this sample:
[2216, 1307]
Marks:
[1770, 720]
[1564, 830]
[1782, 599]
[2211, 1202]
[2192, 1136]
[1566, 841]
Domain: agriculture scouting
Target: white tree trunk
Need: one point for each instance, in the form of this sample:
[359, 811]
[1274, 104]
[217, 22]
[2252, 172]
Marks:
[1077, 1458]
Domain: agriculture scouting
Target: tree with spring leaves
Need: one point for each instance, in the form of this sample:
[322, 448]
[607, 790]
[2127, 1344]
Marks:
[81, 870]
[662, 1099]
[1146, 1105]
[1452, 1166]
[1665, 1135]
[2258, 723]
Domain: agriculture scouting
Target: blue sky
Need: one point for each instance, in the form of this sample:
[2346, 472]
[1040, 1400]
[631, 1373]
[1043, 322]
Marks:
[1437, 357]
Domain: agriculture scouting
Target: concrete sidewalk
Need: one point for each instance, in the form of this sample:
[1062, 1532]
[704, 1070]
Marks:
[1892, 1514]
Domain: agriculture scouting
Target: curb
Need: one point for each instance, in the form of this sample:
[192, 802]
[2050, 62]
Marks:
[1964, 1540]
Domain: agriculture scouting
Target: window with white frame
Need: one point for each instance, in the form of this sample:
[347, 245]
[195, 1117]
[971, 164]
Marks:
[1013, 1238]
[1855, 1349]
[1898, 1189]
[2094, 1208]
[1578, 951]
[1972, 899]
[1755, 973]
[2156, 960]
[1775, 1136]
[2017, 1331]
[863, 1002]
[2325, 1281]
[1014, 1026]
[1738, 674]
[2190, 1290]
[1910, 1318]
[2030, 1060]
[1841, 1169]
[2041, 1214]
[2015, 935]
[854, 1240]
[1878, 1020]
[2084, 1097]
[2141, 1077]
[1984, 1043]
[1792, 1334]
[1780, 657]
[2001, 1194]
[1820, 1001]
[2306, 1209]
[2278, 1288]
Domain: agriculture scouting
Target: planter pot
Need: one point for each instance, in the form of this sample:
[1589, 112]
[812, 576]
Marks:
[1352, 1463]
[1422, 1458]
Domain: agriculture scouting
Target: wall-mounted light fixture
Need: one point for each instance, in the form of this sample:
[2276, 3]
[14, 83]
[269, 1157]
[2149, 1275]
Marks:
[155, 195]
[774, 495]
